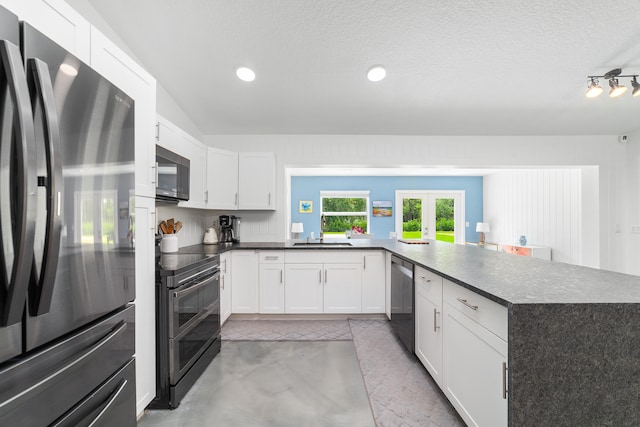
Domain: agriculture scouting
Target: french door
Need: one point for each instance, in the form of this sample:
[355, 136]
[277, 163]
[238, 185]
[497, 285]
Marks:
[437, 215]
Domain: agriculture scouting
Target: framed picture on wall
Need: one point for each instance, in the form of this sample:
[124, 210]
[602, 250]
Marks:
[382, 208]
[306, 206]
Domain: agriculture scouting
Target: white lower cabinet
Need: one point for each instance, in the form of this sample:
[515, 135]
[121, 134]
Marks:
[271, 300]
[475, 356]
[343, 288]
[304, 290]
[373, 281]
[428, 321]
[244, 291]
[225, 286]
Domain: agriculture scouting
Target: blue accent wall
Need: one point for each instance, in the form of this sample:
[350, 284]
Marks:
[382, 188]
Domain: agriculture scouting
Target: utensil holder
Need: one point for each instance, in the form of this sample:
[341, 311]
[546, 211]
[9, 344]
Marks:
[169, 243]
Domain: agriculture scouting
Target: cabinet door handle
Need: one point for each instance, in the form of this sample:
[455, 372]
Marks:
[222, 281]
[155, 174]
[206, 196]
[320, 275]
[236, 200]
[269, 200]
[325, 275]
[153, 223]
[504, 380]
[281, 276]
[364, 262]
[435, 320]
[465, 302]
[225, 265]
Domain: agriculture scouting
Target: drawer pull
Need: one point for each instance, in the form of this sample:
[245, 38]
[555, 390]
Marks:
[465, 302]
[504, 380]
[435, 320]
[271, 258]
[425, 279]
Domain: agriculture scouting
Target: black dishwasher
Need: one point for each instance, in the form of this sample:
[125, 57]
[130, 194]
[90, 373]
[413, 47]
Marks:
[402, 301]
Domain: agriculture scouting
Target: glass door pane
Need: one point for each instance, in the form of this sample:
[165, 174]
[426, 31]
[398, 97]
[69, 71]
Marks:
[445, 219]
[412, 218]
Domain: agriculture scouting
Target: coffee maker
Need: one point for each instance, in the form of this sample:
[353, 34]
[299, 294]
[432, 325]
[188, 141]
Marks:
[226, 229]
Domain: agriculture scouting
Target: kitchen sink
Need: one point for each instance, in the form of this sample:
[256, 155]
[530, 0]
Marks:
[316, 244]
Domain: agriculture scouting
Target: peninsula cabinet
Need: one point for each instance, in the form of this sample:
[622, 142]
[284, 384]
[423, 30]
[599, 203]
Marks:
[475, 356]
[225, 286]
[428, 321]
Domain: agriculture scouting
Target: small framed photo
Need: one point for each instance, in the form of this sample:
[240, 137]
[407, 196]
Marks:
[306, 206]
[382, 208]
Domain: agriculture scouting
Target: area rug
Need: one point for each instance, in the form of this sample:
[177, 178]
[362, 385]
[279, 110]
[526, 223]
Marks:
[286, 330]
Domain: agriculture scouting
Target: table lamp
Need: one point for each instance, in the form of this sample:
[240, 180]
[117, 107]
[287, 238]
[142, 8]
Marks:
[482, 227]
[296, 229]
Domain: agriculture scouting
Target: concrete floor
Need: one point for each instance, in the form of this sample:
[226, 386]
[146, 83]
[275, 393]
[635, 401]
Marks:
[275, 383]
[311, 373]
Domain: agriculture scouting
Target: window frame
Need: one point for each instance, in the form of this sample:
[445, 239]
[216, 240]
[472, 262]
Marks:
[346, 194]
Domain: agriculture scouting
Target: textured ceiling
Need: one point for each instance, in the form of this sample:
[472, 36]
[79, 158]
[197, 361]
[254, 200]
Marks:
[458, 67]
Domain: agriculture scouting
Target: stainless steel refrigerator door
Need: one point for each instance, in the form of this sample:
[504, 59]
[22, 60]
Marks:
[17, 193]
[95, 272]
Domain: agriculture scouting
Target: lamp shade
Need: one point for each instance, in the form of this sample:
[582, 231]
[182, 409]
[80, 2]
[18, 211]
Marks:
[297, 227]
[483, 227]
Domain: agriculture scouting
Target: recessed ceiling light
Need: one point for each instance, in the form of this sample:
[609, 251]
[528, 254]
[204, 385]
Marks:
[245, 74]
[376, 73]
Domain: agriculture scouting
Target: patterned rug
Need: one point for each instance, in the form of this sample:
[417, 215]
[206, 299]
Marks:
[286, 330]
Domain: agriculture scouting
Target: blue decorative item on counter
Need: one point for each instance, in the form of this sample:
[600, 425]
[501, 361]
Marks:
[523, 241]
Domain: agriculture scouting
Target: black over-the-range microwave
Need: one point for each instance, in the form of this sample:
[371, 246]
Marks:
[172, 175]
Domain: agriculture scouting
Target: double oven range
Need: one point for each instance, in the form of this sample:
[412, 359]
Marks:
[187, 323]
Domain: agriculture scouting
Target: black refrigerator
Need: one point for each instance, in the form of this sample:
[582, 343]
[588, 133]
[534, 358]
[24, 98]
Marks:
[67, 231]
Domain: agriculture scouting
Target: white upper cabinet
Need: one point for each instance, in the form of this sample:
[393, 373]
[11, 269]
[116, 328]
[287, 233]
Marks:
[222, 179]
[175, 139]
[58, 21]
[256, 181]
[115, 65]
[241, 181]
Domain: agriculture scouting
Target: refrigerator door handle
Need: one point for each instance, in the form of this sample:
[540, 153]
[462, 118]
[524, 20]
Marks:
[105, 411]
[24, 202]
[41, 286]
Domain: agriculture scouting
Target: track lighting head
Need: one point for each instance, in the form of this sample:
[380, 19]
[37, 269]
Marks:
[616, 89]
[594, 89]
[636, 87]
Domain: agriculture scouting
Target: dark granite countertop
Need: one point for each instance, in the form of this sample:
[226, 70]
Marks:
[505, 278]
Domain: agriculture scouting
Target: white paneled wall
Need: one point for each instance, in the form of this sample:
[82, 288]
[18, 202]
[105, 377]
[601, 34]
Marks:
[545, 205]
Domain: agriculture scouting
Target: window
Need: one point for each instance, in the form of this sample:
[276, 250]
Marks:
[344, 210]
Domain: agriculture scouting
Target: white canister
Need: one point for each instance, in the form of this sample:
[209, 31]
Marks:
[169, 243]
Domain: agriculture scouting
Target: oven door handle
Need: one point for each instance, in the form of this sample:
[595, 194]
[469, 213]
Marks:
[192, 288]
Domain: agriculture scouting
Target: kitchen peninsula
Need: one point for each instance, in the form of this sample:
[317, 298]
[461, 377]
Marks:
[573, 347]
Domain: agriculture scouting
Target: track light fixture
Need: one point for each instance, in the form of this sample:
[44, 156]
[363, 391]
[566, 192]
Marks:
[594, 89]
